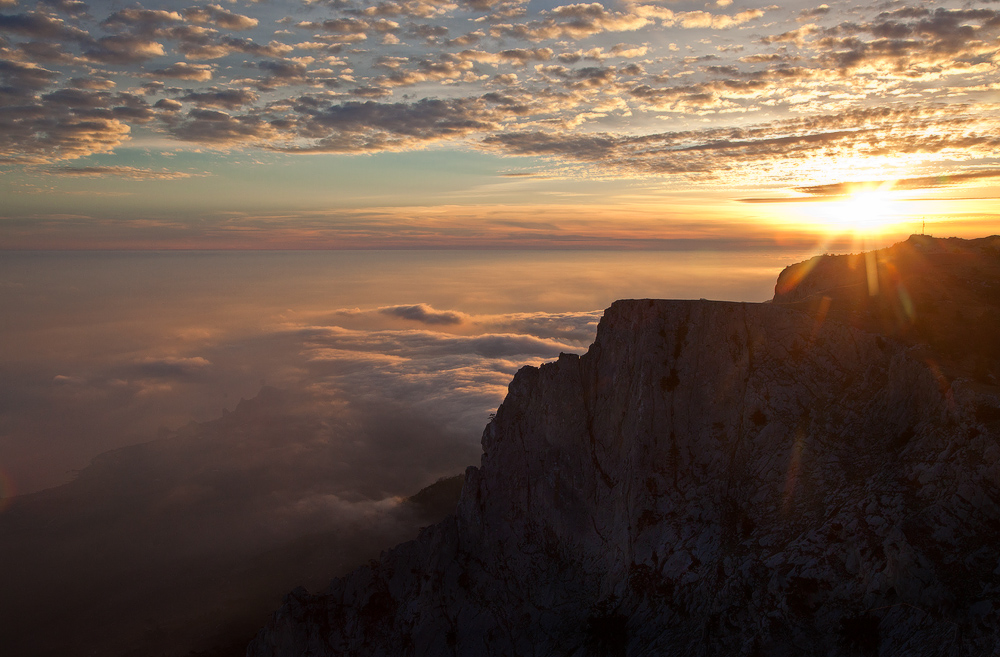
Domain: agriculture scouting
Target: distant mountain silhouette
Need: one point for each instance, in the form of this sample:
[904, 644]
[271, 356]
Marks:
[181, 546]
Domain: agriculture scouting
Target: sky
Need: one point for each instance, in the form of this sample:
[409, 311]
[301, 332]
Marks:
[319, 124]
[477, 179]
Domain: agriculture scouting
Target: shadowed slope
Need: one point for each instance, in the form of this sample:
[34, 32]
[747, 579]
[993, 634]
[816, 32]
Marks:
[941, 294]
[181, 545]
[710, 478]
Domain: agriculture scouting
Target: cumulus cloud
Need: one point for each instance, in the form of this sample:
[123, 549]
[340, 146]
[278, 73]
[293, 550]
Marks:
[410, 8]
[814, 12]
[462, 71]
[140, 20]
[704, 19]
[575, 21]
[21, 78]
[871, 131]
[424, 71]
[41, 25]
[221, 128]
[221, 98]
[184, 71]
[95, 83]
[219, 16]
[169, 367]
[48, 130]
[123, 49]
[424, 314]
[371, 126]
[214, 48]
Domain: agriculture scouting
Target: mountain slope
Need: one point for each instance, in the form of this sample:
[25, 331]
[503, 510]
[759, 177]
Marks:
[710, 478]
[178, 547]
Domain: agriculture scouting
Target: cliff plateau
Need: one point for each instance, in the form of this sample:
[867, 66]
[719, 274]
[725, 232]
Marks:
[710, 478]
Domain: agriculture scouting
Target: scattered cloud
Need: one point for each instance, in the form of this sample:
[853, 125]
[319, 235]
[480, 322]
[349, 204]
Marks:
[786, 143]
[923, 182]
[221, 98]
[424, 314]
[184, 71]
[120, 172]
[220, 17]
[169, 367]
[562, 83]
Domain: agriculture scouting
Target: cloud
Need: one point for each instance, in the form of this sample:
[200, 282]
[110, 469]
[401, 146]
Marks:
[172, 367]
[140, 20]
[922, 182]
[576, 21]
[911, 39]
[704, 19]
[184, 71]
[349, 26]
[64, 125]
[425, 71]
[123, 49]
[349, 89]
[211, 48]
[21, 78]
[371, 126]
[72, 7]
[424, 314]
[423, 344]
[797, 36]
[288, 489]
[93, 83]
[221, 98]
[220, 128]
[168, 105]
[121, 172]
[410, 8]
[219, 16]
[40, 25]
[589, 77]
[815, 12]
[875, 131]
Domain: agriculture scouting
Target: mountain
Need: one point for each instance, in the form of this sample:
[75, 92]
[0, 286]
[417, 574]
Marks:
[814, 475]
[180, 546]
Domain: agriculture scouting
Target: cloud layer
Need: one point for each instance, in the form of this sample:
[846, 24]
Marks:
[788, 94]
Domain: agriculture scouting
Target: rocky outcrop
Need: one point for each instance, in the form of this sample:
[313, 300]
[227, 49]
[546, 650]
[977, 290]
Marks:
[709, 479]
[940, 295]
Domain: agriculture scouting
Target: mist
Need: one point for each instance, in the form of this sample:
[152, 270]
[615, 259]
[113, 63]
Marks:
[192, 436]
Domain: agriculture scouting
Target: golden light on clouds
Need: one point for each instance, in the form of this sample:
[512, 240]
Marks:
[862, 213]
[169, 112]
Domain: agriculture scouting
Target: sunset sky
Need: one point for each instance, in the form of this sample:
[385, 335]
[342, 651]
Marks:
[340, 227]
[494, 123]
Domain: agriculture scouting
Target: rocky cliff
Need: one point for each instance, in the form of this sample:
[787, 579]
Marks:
[710, 478]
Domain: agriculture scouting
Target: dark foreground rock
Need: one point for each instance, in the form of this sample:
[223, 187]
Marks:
[709, 479]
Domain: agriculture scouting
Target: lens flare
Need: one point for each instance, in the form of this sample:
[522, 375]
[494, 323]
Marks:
[867, 213]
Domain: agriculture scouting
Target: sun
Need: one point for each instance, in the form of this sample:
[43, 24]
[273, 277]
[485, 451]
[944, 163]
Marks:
[866, 212]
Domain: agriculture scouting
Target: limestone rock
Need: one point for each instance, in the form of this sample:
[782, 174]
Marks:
[709, 479]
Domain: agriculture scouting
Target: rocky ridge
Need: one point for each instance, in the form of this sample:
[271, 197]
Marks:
[711, 478]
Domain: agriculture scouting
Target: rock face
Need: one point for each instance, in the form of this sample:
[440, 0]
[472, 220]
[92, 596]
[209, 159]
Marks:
[709, 479]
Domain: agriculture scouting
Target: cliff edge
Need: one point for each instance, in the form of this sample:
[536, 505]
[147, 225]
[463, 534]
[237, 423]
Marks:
[709, 478]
